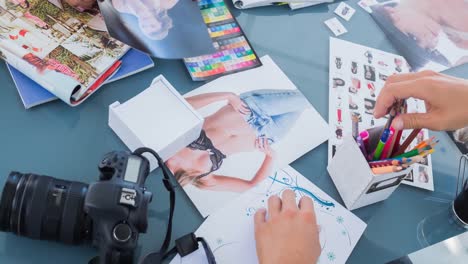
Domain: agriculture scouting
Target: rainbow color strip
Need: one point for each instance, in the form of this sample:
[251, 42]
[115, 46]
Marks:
[234, 51]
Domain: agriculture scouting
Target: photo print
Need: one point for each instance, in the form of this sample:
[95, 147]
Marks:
[255, 122]
[161, 28]
[430, 34]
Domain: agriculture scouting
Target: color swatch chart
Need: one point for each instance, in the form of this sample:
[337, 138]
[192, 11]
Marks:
[234, 51]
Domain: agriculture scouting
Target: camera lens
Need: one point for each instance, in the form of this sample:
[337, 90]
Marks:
[45, 208]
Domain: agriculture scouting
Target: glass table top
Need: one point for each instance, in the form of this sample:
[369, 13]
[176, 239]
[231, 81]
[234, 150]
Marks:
[68, 143]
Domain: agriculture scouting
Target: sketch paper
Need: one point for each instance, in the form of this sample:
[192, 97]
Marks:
[430, 34]
[230, 231]
[335, 26]
[357, 75]
[255, 122]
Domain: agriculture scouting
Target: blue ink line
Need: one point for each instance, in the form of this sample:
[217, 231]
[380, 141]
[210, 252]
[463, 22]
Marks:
[297, 188]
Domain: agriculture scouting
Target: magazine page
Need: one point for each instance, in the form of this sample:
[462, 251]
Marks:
[430, 34]
[60, 48]
[169, 29]
[256, 121]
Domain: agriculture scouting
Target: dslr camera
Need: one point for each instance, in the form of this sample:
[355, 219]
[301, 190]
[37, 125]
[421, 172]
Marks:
[110, 213]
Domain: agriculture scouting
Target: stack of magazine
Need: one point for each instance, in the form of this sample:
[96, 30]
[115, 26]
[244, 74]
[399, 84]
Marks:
[53, 51]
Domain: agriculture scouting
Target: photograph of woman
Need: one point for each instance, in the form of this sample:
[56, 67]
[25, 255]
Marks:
[431, 34]
[252, 121]
[255, 122]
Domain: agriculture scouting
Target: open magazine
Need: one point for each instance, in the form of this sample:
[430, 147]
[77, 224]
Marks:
[67, 52]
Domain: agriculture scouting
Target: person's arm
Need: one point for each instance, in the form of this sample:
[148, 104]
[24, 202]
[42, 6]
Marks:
[225, 183]
[202, 100]
[446, 100]
[290, 234]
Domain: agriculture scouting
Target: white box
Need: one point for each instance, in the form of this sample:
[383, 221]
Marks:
[354, 179]
[158, 118]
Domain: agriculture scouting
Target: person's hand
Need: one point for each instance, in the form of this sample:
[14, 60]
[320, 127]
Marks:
[81, 4]
[263, 145]
[238, 104]
[289, 234]
[446, 100]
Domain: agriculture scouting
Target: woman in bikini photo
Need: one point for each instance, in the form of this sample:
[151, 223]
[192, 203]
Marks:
[249, 122]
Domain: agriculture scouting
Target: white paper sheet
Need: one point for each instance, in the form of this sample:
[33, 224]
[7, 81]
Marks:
[307, 132]
[230, 231]
[359, 95]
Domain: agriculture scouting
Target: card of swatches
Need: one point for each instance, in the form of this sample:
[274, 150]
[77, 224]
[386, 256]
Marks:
[234, 50]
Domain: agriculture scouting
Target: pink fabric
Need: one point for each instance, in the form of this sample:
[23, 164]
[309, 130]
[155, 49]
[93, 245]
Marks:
[57, 66]
[39, 22]
[17, 2]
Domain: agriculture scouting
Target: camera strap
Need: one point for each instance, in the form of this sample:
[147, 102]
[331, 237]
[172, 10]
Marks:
[184, 245]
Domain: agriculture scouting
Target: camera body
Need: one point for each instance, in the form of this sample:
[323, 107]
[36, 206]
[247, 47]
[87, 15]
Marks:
[117, 204]
[110, 213]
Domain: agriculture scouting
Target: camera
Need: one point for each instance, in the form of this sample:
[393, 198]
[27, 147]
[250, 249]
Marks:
[109, 214]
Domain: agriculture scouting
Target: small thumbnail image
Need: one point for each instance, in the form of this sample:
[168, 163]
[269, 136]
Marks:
[355, 86]
[338, 82]
[369, 56]
[354, 67]
[398, 64]
[338, 62]
[369, 105]
[339, 132]
[369, 73]
[382, 64]
[352, 104]
[423, 174]
[383, 77]
[371, 88]
[357, 115]
[65, 62]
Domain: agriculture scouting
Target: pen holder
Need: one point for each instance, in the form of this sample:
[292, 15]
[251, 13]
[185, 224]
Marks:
[357, 184]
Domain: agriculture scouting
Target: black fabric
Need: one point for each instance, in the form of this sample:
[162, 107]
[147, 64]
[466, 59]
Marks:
[216, 156]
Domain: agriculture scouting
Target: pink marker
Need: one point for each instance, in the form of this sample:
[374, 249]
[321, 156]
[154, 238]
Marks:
[365, 138]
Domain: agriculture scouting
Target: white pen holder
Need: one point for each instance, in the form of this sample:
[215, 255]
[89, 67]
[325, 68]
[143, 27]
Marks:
[357, 184]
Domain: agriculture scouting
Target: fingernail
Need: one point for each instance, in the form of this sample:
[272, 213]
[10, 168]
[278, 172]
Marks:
[398, 123]
[261, 210]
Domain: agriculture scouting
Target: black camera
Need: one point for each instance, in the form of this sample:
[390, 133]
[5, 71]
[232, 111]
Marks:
[109, 213]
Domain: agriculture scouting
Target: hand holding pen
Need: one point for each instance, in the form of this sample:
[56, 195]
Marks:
[446, 100]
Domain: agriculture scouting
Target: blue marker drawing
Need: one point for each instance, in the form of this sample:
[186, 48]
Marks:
[295, 187]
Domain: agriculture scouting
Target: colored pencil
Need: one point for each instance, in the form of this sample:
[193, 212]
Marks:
[397, 143]
[414, 152]
[407, 142]
[389, 162]
[387, 169]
